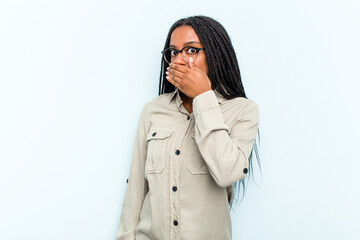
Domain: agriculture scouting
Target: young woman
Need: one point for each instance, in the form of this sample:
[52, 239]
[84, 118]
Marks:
[194, 141]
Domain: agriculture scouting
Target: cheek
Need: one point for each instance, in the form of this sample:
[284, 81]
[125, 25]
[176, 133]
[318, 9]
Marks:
[203, 65]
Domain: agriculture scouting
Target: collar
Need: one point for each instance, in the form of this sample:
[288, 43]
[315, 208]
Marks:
[176, 94]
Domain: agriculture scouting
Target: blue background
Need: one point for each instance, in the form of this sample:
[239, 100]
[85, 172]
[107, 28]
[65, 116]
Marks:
[74, 76]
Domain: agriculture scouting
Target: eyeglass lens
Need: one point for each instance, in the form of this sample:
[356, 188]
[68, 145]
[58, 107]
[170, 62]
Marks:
[171, 54]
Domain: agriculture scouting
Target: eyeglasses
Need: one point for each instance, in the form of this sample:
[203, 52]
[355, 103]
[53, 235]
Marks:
[171, 53]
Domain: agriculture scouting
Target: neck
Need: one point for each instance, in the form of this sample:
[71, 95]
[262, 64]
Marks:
[185, 98]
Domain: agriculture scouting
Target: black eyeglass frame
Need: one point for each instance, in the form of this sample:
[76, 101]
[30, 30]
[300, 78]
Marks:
[180, 51]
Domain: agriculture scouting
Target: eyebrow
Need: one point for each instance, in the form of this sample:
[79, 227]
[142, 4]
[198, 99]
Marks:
[186, 43]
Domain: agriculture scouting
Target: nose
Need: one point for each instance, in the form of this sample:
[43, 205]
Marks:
[180, 59]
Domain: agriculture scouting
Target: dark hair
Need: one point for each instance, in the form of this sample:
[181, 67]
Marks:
[224, 72]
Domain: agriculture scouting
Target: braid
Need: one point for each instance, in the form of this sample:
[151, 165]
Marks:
[224, 72]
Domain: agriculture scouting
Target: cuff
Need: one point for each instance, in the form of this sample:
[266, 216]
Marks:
[204, 102]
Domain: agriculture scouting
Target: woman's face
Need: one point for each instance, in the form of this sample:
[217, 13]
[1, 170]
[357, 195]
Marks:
[185, 36]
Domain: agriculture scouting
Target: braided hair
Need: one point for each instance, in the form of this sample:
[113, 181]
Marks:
[224, 72]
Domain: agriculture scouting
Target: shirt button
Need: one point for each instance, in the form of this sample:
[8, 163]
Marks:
[177, 152]
[154, 134]
[188, 117]
[174, 188]
[127, 180]
[175, 223]
[245, 170]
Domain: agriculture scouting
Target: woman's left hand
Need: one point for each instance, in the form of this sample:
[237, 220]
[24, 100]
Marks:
[190, 80]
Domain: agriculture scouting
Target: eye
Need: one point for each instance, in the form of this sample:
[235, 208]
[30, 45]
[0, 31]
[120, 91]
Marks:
[173, 52]
[191, 50]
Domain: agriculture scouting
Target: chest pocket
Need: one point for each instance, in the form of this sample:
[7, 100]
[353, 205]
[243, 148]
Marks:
[195, 163]
[157, 139]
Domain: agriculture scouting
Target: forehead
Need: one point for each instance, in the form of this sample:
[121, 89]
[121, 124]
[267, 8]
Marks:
[182, 35]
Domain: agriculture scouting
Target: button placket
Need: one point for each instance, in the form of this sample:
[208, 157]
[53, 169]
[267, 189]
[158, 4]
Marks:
[176, 164]
[174, 198]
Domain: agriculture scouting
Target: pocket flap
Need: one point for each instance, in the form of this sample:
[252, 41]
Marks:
[158, 133]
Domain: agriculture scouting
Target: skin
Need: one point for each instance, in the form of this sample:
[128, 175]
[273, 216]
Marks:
[191, 78]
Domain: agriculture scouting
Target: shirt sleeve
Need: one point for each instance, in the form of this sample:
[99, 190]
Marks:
[226, 151]
[137, 186]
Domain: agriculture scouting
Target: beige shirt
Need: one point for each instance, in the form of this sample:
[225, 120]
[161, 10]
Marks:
[184, 166]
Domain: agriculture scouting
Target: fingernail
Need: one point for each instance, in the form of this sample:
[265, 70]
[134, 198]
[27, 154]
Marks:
[167, 73]
[167, 68]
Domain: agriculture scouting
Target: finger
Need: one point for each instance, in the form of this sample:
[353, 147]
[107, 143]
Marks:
[177, 79]
[178, 67]
[172, 81]
[175, 72]
[191, 62]
[193, 65]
